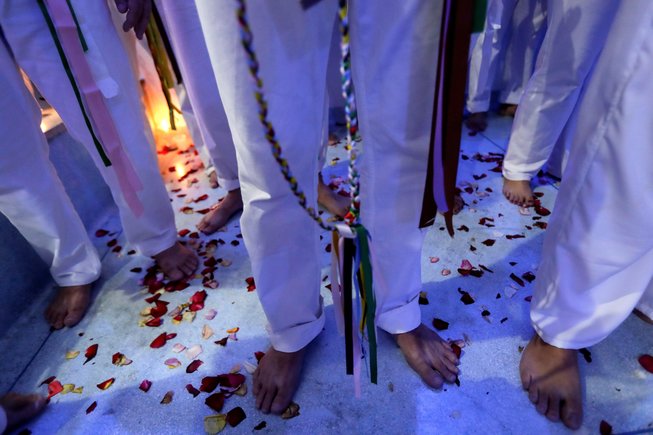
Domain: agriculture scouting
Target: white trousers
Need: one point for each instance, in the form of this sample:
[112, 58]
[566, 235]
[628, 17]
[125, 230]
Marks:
[574, 38]
[394, 48]
[187, 38]
[512, 36]
[35, 52]
[597, 260]
[31, 194]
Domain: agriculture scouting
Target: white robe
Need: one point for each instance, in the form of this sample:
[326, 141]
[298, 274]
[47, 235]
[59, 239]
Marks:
[597, 260]
[187, 39]
[32, 44]
[31, 194]
[394, 53]
[575, 34]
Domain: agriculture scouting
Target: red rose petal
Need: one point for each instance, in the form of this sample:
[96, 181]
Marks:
[456, 349]
[605, 428]
[517, 279]
[48, 380]
[235, 416]
[209, 383]
[155, 322]
[192, 390]
[170, 336]
[646, 361]
[215, 401]
[231, 380]
[145, 385]
[54, 388]
[192, 367]
[158, 342]
[259, 355]
[106, 384]
[91, 352]
[101, 233]
[91, 408]
[183, 232]
[440, 324]
[159, 309]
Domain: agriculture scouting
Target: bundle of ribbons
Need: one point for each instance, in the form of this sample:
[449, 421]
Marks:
[71, 46]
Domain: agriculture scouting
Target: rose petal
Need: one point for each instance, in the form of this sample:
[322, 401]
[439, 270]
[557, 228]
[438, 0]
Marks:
[210, 315]
[91, 408]
[172, 363]
[145, 385]
[291, 412]
[207, 332]
[440, 324]
[120, 360]
[192, 390]
[605, 428]
[54, 388]
[106, 384]
[167, 398]
[91, 352]
[446, 272]
[646, 361]
[193, 366]
[159, 342]
[214, 424]
[194, 351]
[72, 354]
[235, 416]
[215, 401]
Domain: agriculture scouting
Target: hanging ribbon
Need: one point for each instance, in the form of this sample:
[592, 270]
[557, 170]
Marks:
[162, 65]
[62, 26]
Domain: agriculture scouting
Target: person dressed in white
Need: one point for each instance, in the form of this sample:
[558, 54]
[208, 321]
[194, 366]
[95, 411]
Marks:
[394, 49]
[31, 195]
[597, 260]
[512, 36]
[187, 39]
[575, 35]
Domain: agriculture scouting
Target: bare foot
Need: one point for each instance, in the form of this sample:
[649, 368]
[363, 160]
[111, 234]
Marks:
[22, 407]
[643, 316]
[221, 212]
[518, 192]
[429, 355]
[68, 306]
[177, 261]
[550, 375]
[276, 379]
[335, 204]
[213, 179]
[508, 110]
[477, 122]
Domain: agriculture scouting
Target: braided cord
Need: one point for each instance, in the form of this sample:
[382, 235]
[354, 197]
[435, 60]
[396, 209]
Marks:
[353, 216]
[247, 42]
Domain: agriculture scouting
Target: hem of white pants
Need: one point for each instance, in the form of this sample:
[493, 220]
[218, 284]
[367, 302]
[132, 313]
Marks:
[229, 185]
[77, 279]
[402, 319]
[154, 247]
[3, 420]
[515, 176]
[565, 344]
[297, 337]
[478, 107]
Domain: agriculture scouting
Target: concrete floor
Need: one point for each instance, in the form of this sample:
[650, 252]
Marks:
[489, 399]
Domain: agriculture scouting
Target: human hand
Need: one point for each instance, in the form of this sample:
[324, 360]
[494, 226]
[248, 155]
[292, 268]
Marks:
[138, 14]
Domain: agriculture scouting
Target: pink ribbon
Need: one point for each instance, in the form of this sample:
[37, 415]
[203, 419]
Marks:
[101, 119]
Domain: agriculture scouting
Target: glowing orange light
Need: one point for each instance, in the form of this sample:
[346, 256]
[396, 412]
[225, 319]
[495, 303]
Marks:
[180, 169]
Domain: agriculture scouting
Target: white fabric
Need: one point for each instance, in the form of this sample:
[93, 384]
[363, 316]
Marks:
[575, 35]
[3, 420]
[527, 29]
[510, 41]
[30, 40]
[187, 38]
[394, 49]
[31, 194]
[597, 260]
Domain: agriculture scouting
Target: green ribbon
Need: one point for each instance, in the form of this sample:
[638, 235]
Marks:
[79, 29]
[367, 293]
[73, 83]
[480, 10]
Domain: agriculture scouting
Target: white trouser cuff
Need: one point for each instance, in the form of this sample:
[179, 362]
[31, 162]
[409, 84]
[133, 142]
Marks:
[296, 337]
[478, 106]
[646, 309]
[566, 344]
[3, 420]
[77, 278]
[401, 319]
[228, 185]
[150, 248]
[513, 175]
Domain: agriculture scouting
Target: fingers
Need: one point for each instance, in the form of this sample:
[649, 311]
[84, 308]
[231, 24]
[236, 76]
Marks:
[145, 17]
[122, 6]
[138, 15]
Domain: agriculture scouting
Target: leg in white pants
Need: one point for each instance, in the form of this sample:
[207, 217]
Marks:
[486, 54]
[576, 33]
[31, 194]
[597, 260]
[30, 40]
[187, 39]
[526, 35]
[394, 49]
